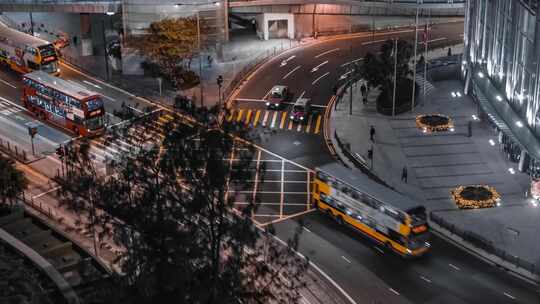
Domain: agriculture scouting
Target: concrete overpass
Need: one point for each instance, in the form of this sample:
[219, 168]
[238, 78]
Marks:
[65, 6]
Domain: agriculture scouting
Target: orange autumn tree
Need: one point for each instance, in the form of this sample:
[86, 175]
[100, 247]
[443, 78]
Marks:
[170, 45]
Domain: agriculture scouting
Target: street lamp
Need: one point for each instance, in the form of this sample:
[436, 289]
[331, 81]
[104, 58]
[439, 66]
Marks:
[215, 3]
[106, 55]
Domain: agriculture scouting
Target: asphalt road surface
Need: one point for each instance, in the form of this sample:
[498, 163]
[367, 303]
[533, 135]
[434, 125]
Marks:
[369, 274]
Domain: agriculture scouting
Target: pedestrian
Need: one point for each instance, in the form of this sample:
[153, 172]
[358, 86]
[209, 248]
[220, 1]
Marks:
[363, 89]
[372, 133]
[404, 174]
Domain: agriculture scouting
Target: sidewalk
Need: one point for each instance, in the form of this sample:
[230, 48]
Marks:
[439, 162]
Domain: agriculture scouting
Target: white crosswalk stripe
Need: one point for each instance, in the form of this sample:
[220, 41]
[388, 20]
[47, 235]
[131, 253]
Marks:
[7, 109]
[420, 80]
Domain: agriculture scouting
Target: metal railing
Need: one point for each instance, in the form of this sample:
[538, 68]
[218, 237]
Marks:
[486, 245]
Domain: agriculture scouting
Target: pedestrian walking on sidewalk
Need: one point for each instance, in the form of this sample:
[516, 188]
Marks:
[404, 174]
[372, 133]
[363, 89]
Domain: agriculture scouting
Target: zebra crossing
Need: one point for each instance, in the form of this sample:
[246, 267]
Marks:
[421, 81]
[108, 147]
[7, 108]
[275, 120]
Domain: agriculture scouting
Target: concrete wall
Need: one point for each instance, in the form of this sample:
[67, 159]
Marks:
[264, 19]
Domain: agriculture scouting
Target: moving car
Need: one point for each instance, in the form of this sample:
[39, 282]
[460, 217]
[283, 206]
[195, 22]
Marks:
[277, 96]
[301, 110]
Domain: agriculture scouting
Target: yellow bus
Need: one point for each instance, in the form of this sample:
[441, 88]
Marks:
[391, 219]
[25, 53]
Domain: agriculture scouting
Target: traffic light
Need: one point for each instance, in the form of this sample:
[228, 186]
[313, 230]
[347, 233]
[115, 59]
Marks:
[60, 151]
[219, 80]
[32, 131]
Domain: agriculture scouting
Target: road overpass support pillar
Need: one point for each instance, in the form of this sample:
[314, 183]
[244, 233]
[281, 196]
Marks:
[276, 25]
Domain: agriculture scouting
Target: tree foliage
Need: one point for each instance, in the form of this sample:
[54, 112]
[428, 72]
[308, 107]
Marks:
[170, 205]
[379, 70]
[171, 44]
[12, 181]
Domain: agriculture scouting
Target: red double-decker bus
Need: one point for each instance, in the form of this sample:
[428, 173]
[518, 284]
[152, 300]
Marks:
[63, 103]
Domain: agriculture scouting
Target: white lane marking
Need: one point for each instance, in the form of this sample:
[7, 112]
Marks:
[274, 119]
[353, 61]
[373, 42]
[46, 192]
[425, 279]
[344, 75]
[109, 98]
[12, 103]
[379, 250]
[306, 229]
[302, 95]
[318, 106]
[250, 99]
[438, 39]
[134, 109]
[293, 70]
[326, 276]
[454, 266]
[284, 62]
[305, 300]
[92, 84]
[265, 118]
[7, 83]
[509, 295]
[327, 52]
[267, 93]
[347, 260]
[315, 69]
[394, 291]
[316, 80]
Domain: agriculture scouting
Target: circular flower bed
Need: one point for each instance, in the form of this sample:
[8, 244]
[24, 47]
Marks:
[476, 196]
[434, 123]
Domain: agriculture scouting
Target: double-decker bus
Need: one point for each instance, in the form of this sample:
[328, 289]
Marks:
[378, 212]
[63, 103]
[25, 53]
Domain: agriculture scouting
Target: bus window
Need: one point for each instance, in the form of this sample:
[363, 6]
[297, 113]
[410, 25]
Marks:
[49, 67]
[94, 123]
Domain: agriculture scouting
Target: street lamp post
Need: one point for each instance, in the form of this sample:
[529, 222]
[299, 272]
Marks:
[200, 58]
[215, 3]
[105, 50]
[395, 78]
[414, 60]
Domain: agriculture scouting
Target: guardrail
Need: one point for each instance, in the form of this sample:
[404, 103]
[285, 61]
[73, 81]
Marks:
[485, 245]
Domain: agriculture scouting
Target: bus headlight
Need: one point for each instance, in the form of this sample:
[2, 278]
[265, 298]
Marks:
[267, 104]
[292, 117]
[276, 104]
[301, 117]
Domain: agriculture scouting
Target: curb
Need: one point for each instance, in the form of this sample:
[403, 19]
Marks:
[484, 256]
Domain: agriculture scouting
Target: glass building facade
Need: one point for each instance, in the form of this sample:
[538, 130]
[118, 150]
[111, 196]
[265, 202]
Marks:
[501, 68]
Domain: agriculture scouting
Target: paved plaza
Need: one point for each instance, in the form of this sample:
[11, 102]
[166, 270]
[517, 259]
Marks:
[438, 162]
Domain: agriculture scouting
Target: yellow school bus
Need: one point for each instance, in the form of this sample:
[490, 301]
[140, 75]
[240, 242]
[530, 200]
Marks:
[25, 53]
[391, 219]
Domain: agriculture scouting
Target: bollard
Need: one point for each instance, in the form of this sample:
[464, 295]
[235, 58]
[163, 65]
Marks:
[8, 146]
[16, 151]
